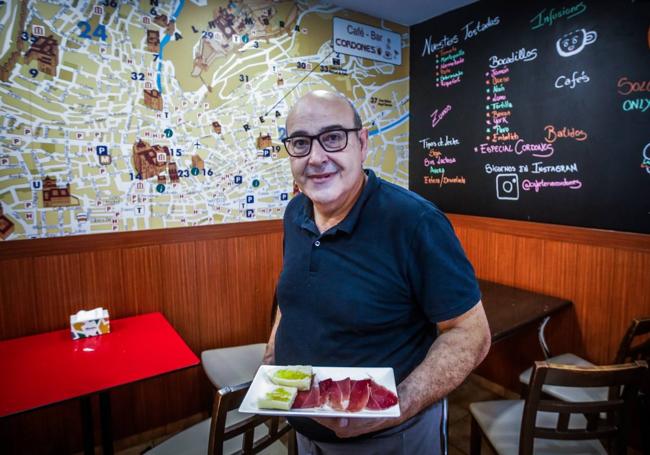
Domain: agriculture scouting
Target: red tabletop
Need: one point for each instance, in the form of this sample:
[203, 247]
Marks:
[48, 368]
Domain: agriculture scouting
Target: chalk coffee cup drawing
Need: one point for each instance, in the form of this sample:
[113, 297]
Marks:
[573, 42]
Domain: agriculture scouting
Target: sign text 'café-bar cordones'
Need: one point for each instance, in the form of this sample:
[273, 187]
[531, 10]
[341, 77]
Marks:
[361, 40]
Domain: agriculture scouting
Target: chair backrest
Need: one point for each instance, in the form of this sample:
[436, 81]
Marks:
[228, 399]
[635, 344]
[580, 420]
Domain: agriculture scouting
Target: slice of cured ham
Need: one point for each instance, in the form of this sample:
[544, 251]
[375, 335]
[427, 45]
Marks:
[335, 398]
[380, 397]
[325, 386]
[346, 395]
[344, 387]
[308, 398]
[335, 394]
[359, 395]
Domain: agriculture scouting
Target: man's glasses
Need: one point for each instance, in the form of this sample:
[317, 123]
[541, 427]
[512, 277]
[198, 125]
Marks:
[332, 141]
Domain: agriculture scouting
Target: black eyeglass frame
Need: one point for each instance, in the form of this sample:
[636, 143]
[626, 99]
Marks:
[317, 137]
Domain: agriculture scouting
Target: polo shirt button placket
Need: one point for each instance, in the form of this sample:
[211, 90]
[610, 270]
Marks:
[314, 257]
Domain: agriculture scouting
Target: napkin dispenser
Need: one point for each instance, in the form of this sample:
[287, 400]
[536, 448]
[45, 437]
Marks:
[90, 323]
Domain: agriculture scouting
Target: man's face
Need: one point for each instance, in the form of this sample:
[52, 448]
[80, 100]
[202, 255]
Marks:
[328, 179]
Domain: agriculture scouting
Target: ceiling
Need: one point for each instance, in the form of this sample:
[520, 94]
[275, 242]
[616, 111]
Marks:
[405, 12]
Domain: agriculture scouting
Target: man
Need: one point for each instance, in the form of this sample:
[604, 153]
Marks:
[370, 272]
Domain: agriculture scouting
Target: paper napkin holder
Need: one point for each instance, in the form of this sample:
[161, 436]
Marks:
[90, 323]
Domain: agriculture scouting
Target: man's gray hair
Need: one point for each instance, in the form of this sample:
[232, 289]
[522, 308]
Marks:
[357, 117]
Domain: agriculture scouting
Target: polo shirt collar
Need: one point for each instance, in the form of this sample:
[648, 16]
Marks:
[306, 215]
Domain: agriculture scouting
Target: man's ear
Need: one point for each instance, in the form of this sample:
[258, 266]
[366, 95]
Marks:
[363, 140]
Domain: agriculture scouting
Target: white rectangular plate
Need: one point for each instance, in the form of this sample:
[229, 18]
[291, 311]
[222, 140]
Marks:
[261, 384]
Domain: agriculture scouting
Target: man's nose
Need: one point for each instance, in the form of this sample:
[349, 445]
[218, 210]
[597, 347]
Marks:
[317, 155]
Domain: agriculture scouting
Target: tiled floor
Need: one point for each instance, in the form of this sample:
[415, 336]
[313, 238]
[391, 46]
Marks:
[459, 418]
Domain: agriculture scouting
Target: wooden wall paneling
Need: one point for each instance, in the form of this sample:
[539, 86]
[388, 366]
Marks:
[600, 271]
[166, 274]
[618, 271]
[102, 284]
[233, 276]
[156, 402]
[179, 291]
[585, 236]
[235, 283]
[503, 258]
[529, 260]
[128, 408]
[638, 289]
[230, 275]
[187, 391]
[133, 239]
[17, 277]
[473, 247]
[57, 291]
[631, 274]
[101, 280]
[140, 406]
[596, 302]
[560, 267]
[245, 319]
[142, 278]
[218, 291]
[556, 271]
[500, 258]
[265, 265]
[519, 262]
[53, 430]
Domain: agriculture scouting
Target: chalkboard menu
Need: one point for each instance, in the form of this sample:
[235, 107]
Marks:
[535, 111]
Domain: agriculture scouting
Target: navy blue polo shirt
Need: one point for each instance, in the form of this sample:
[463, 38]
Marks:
[366, 292]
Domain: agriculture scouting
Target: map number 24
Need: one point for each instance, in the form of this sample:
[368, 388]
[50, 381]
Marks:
[99, 32]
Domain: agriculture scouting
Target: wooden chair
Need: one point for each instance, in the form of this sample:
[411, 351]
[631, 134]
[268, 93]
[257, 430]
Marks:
[554, 427]
[633, 346]
[227, 431]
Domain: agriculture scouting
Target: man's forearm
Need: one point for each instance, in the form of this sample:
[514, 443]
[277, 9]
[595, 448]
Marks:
[269, 354]
[461, 346]
[451, 358]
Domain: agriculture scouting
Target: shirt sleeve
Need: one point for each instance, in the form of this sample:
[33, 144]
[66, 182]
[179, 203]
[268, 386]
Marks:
[442, 278]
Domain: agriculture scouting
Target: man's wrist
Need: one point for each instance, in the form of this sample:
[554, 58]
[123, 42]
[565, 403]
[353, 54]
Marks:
[409, 405]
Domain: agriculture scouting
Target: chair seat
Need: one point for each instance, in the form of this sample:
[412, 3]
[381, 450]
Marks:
[228, 368]
[232, 366]
[194, 440]
[501, 422]
[571, 394]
